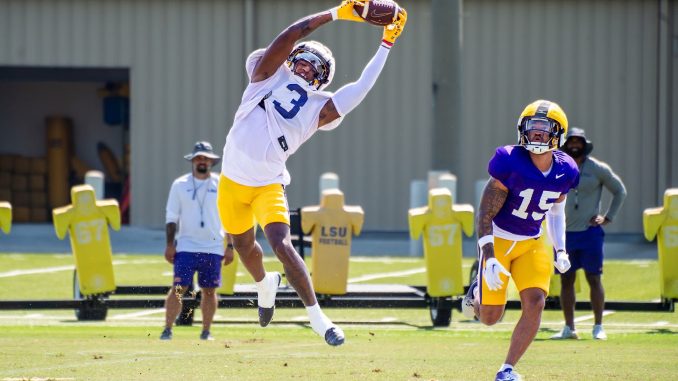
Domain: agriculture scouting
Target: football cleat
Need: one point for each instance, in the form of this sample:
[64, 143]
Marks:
[334, 336]
[566, 333]
[205, 335]
[599, 333]
[166, 334]
[508, 375]
[266, 313]
[467, 304]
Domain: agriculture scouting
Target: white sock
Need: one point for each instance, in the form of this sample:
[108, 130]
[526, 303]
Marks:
[319, 322]
[264, 296]
[505, 366]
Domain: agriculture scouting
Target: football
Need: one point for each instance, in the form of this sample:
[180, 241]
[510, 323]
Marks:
[378, 12]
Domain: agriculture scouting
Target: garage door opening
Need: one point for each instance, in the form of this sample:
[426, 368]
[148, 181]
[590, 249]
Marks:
[56, 124]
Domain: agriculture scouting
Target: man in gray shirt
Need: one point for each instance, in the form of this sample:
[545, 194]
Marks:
[584, 232]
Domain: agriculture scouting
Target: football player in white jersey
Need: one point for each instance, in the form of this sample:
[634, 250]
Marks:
[282, 107]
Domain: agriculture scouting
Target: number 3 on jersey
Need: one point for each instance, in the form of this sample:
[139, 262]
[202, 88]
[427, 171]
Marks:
[545, 203]
[296, 103]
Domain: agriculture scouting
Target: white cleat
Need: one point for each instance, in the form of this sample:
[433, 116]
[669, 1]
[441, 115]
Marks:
[467, 304]
[566, 333]
[599, 333]
[508, 375]
[334, 336]
[266, 299]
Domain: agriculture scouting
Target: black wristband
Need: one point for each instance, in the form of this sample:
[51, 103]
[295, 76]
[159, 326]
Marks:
[229, 246]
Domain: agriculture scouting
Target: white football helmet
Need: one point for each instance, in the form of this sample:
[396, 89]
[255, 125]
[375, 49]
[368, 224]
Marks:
[320, 57]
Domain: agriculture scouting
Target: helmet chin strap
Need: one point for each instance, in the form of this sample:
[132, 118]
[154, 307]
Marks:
[304, 83]
[538, 148]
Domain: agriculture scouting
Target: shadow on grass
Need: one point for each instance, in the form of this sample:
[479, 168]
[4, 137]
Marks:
[307, 324]
[662, 331]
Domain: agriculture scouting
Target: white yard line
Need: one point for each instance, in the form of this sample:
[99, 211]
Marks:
[384, 260]
[394, 274]
[55, 269]
[37, 379]
[133, 315]
[36, 271]
[589, 317]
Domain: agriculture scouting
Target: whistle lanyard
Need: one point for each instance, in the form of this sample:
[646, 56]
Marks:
[196, 196]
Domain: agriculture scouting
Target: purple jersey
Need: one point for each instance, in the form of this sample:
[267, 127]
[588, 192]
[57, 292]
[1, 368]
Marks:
[530, 193]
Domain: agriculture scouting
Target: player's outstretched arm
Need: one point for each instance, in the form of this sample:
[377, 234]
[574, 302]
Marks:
[281, 47]
[350, 95]
[278, 51]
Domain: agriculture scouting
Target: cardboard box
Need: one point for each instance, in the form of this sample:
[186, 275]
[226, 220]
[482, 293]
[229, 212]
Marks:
[5, 195]
[36, 182]
[19, 182]
[5, 180]
[21, 199]
[38, 166]
[39, 215]
[38, 199]
[6, 163]
[22, 165]
[21, 214]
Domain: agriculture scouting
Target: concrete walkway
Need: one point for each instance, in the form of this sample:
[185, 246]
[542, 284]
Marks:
[40, 238]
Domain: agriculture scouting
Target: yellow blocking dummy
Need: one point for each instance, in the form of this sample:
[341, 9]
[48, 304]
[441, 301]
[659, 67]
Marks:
[441, 224]
[87, 220]
[663, 223]
[228, 275]
[5, 216]
[332, 224]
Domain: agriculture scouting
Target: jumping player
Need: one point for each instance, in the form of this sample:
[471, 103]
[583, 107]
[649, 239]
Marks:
[281, 108]
[528, 183]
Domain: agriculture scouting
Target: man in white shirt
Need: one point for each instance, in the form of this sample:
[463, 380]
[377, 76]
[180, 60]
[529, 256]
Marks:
[282, 107]
[198, 244]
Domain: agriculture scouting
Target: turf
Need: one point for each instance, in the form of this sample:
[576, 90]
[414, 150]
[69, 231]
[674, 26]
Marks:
[382, 344]
[279, 352]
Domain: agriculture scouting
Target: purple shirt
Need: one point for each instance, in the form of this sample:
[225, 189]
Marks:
[530, 193]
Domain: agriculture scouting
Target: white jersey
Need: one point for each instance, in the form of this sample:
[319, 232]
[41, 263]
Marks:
[192, 205]
[261, 140]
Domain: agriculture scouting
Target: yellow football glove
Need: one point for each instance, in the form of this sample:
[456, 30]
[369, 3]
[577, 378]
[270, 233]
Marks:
[393, 31]
[345, 11]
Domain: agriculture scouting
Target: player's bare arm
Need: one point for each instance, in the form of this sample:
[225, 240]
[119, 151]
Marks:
[328, 113]
[494, 196]
[278, 51]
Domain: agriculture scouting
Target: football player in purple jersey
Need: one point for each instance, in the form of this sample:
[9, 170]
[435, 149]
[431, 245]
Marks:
[528, 183]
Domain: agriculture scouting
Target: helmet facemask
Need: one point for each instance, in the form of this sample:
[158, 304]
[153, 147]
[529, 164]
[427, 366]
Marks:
[321, 61]
[532, 127]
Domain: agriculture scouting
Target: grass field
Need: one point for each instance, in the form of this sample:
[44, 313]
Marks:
[382, 344]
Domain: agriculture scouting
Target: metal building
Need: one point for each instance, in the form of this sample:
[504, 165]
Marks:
[450, 93]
